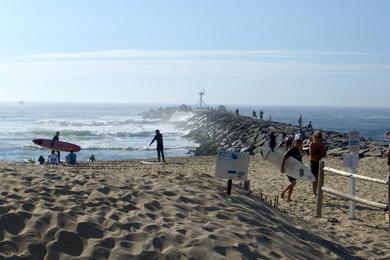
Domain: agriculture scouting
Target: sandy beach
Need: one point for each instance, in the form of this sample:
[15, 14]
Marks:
[128, 210]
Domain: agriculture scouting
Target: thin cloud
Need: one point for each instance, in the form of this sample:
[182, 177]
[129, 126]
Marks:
[134, 53]
[190, 54]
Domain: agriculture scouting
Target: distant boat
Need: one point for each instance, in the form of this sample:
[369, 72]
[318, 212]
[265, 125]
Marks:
[21, 102]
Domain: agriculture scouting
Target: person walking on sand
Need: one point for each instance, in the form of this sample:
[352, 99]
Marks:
[272, 141]
[317, 151]
[296, 152]
[160, 145]
[56, 138]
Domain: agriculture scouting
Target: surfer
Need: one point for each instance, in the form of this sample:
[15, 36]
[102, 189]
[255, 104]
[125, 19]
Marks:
[56, 138]
[160, 145]
[296, 152]
[317, 152]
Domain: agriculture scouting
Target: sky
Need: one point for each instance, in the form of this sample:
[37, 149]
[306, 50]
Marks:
[304, 52]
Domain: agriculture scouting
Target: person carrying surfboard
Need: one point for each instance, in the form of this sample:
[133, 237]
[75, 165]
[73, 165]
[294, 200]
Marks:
[296, 152]
[317, 151]
[160, 145]
[56, 138]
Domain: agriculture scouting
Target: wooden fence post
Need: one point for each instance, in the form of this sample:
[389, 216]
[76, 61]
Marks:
[229, 187]
[352, 191]
[320, 193]
[388, 199]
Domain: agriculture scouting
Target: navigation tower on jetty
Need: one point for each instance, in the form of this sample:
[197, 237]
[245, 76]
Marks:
[201, 105]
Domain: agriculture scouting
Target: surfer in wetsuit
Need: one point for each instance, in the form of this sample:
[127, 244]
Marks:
[160, 145]
[296, 152]
[56, 138]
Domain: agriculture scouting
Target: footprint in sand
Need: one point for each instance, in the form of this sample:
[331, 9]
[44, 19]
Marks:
[89, 230]
[69, 243]
[8, 248]
[12, 223]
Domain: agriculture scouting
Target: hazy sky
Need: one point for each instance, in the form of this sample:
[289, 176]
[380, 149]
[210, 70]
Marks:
[241, 52]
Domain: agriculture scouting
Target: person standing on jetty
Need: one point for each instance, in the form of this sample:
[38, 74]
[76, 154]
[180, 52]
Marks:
[261, 115]
[317, 152]
[56, 138]
[254, 115]
[296, 152]
[160, 145]
[300, 121]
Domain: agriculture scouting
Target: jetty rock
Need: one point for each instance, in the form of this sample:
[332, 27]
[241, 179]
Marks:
[220, 130]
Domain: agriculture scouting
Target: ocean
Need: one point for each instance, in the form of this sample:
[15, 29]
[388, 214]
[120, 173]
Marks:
[109, 131]
[117, 131]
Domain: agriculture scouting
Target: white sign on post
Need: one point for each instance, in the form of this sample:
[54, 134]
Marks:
[351, 160]
[354, 141]
[232, 166]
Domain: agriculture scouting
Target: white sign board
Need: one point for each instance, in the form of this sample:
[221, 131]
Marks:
[232, 166]
[351, 160]
[354, 141]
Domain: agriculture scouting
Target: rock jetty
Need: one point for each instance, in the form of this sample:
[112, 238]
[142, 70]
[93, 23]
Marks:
[215, 130]
[219, 129]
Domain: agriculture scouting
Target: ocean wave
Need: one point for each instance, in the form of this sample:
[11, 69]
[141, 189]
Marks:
[103, 148]
[64, 123]
[135, 148]
[87, 134]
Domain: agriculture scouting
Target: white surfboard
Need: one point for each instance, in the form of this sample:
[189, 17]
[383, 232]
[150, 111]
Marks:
[293, 167]
[150, 163]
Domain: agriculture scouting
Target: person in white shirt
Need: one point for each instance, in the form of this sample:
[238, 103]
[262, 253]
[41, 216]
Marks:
[52, 158]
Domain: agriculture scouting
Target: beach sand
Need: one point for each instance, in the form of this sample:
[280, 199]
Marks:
[129, 210]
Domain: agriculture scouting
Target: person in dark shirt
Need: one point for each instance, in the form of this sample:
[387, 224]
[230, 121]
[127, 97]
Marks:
[160, 145]
[56, 138]
[272, 141]
[317, 152]
[295, 152]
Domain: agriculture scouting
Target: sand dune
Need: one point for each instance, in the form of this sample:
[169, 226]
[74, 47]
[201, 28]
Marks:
[124, 209]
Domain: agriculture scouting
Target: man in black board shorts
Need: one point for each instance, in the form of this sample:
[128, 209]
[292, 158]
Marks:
[160, 145]
[55, 139]
[296, 152]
